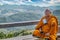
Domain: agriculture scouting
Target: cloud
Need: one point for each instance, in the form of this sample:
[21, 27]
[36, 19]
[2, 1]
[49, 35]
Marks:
[6, 2]
[30, 2]
[52, 2]
[15, 2]
[1, 3]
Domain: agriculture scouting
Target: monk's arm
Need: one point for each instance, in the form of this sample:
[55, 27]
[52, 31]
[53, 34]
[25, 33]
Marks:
[54, 28]
[39, 25]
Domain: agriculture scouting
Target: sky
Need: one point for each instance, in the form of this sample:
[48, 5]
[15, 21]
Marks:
[40, 3]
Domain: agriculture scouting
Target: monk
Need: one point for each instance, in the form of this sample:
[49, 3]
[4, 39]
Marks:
[47, 27]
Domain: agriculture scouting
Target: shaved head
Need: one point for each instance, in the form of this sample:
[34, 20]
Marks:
[47, 12]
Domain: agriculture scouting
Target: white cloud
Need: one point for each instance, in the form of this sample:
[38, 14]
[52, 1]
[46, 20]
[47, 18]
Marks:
[16, 2]
[6, 2]
[1, 3]
[52, 2]
[44, 0]
[59, 0]
[29, 2]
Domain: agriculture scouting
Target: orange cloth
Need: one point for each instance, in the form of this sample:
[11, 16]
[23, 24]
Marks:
[51, 27]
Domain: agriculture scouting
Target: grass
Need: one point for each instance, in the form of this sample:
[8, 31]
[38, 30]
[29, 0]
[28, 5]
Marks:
[15, 34]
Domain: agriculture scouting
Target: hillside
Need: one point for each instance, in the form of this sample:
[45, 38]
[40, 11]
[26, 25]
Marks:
[57, 14]
[16, 13]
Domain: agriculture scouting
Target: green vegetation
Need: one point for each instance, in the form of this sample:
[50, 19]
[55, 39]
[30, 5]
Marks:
[14, 34]
[2, 35]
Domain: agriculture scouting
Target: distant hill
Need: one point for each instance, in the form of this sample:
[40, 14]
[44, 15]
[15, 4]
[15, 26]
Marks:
[57, 14]
[23, 17]
[16, 13]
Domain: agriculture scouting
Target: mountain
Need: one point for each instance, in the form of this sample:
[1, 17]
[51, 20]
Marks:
[23, 17]
[16, 13]
[57, 7]
[57, 14]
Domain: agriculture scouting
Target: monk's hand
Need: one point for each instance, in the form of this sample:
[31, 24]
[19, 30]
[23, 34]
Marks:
[47, 34]
[46, 38]
[42, 32]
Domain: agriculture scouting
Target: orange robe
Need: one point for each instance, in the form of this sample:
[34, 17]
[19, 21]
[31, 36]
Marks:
[51, 27]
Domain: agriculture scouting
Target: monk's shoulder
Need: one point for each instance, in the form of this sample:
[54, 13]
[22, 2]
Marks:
[54, 17]
[43, 17]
